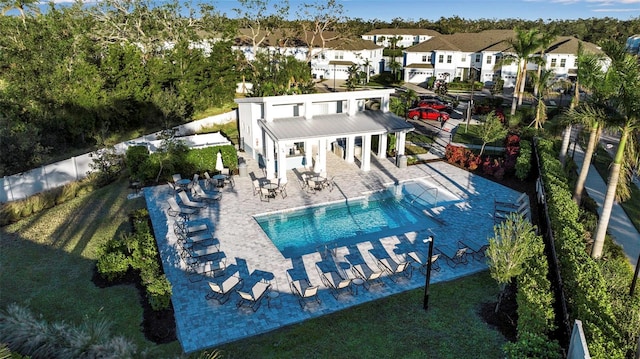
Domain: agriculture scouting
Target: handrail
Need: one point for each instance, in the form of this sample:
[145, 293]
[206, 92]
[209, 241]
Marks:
[435, 204]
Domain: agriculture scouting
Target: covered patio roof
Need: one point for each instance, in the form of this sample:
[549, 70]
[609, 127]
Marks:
[335, 125]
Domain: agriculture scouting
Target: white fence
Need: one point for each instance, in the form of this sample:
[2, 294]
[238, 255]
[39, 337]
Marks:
[23, 185]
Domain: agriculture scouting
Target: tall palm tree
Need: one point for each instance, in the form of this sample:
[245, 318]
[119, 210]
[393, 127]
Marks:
[524, 45]
[625, 72]
[593, 119]
[366, 64]
[546, 38]
[589, 73]
[542, 83]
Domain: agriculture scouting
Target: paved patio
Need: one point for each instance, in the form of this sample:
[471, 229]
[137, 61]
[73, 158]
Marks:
[204, 323]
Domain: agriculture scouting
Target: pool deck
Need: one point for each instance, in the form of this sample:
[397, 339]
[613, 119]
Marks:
[203, 323]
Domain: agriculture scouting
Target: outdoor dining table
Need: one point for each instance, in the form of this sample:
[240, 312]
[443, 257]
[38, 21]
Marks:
[272, 187]
[319, 181]
[220, 178]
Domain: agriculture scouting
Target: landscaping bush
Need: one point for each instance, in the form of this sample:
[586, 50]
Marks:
[589, 292]
[113, 266]
[159, 293]
[135, 158]
[523, 162]
[34, 337]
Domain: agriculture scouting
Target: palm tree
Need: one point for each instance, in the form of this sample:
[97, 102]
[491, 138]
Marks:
[542, 83]
[366, 64]
[524, 46]
[625, 72]
[589, 73]
[545, 40]
[593, 118]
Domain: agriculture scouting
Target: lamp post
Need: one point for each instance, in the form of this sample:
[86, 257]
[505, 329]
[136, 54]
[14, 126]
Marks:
[470, 106]
[425, 303]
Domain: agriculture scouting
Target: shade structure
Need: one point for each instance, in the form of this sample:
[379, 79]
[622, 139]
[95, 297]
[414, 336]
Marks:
[219, 164]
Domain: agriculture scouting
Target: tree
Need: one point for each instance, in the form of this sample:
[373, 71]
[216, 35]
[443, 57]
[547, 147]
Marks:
[366, 64]
[24, 7]
[491, 130]
[589, 73]
[524, 45]
[509, 250]
[625, 72]
[542, 81]
[320, 22]
[261, 18]
[354, 77]
[546, 38]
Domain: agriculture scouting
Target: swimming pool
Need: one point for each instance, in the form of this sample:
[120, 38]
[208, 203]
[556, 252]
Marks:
[396, 210]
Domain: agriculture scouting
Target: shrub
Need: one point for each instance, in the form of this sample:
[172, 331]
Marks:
[135, 158]
[523, 162]
[113, 265]
[159, 293]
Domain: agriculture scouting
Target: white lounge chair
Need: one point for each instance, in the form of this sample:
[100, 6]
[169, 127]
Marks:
[367, 274]
[334, 281]
[395, 267]
[304, 291]
[200, 194]
[421, 261]
[188, 202]
[175, 209]
[253, 299]
[222, 292]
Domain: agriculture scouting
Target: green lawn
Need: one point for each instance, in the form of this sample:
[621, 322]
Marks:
[470, 135]
[48, 261]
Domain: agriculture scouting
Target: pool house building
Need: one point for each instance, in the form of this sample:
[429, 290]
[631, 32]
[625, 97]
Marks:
[298, 131]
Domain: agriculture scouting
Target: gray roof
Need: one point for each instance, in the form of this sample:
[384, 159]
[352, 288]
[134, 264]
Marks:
[335, 125]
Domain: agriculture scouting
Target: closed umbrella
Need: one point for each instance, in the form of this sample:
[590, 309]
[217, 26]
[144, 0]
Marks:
[219, 164]
[316, 166]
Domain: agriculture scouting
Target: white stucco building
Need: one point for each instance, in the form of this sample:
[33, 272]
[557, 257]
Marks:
[300, 131]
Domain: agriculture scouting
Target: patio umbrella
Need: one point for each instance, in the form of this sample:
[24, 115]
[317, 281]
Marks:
[219, 164]
[316, 165]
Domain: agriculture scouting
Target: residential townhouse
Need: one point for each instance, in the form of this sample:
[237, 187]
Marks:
[406, 37]
[478, 55]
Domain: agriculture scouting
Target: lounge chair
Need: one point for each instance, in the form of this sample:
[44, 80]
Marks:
[304, 291]
[175, 209]
[256, 186]
[395, 267]
[253, 299]
[421, 261]
[477, 253]
[200, 194]
[222, 292]
[212, 268]
[176, 177]
[460, 257]
[368, 275]
[188, 202]
[334, 281]
[208, 181]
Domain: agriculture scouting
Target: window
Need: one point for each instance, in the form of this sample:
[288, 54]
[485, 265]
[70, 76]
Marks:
[464, 58]
[553, 62]
[478, 58]
[424, 58]
[440, 58]
[339, 55]
[448, 59]
[488, 59]
[563, 62]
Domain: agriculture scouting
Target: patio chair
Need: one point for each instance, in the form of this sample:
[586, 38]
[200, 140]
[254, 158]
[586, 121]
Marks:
[208, 181]
[196, 271]
[175, 209]
[334, 281]
[329, 184]
[229, 179]
[460, 257]
[194, 181]
[200, 194]
[265, 195]
[367, 274]
[303, 289]
[477, 253]
[176, 177]
[311, 186]
[421, 261]
[282, 190]
[222, 292]
[395, 267]
[188, 202]
[256, 186]
[253, 299]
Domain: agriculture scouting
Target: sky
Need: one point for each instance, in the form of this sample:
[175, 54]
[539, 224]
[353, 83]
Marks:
[476, 9]
[387, 10]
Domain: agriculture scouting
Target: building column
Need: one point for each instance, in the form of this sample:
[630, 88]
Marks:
[322, 155]
[401, 139]
[350, 150]
[366, 153]
[382, 145]
[269, 154]
[281, 157]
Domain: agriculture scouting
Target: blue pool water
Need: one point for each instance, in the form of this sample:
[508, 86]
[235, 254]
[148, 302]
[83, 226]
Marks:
[394, 211]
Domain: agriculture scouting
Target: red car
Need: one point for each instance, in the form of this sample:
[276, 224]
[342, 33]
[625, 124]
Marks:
[435, 104]
[426, 113]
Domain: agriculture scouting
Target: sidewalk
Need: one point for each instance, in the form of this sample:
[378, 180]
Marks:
[620, 227]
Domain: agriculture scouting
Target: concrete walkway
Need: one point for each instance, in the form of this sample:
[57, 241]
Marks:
[620, 226]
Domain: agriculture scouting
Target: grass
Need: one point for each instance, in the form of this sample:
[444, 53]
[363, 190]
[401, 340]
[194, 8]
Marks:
[48, 261]
[393, 327]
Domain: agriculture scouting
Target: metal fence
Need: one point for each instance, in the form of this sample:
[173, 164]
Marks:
[22, 185]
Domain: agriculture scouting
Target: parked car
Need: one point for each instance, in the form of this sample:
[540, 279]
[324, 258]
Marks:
[436, 105]
[426, 113]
